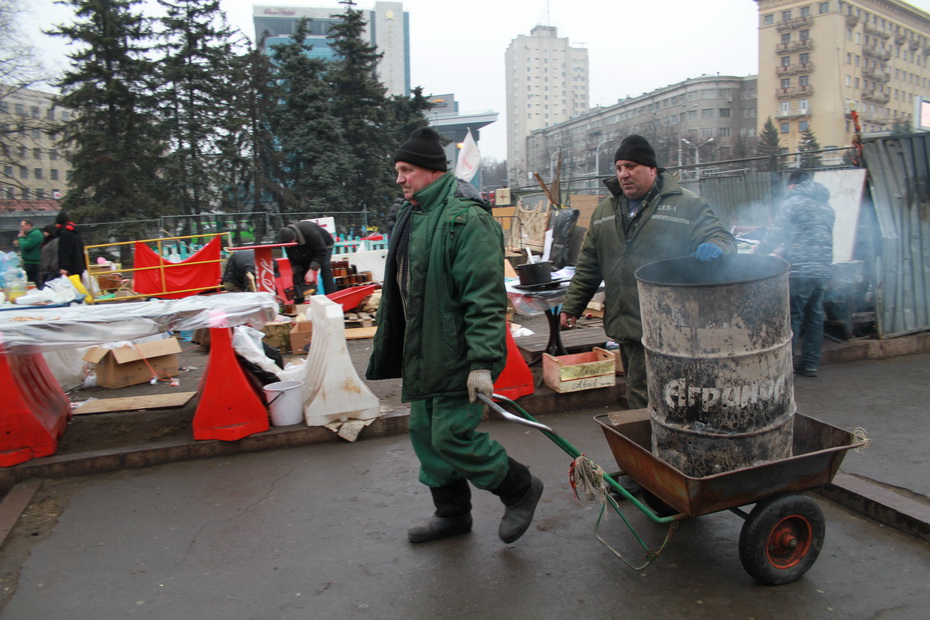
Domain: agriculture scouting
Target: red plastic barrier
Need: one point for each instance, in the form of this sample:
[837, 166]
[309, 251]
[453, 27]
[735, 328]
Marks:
[229, 409]
[351, 297]
[34, 410]
[516, 379]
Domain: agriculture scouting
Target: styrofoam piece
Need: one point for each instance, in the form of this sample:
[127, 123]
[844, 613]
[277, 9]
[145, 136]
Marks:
[332, 388]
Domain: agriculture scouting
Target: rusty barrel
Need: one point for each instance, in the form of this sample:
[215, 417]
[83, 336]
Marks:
[717, 338]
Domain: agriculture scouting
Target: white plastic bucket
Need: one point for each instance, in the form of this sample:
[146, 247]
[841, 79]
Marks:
[285, 402]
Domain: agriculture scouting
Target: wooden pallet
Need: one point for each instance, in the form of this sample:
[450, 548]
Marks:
[359, 319]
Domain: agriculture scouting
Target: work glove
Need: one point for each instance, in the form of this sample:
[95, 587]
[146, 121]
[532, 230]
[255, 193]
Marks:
[707, 252]
[479, 382]
[314, 266]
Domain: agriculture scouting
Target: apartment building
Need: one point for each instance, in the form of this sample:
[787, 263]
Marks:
[705, 119]
[546, 84]
[821, 60]
[388, 30]
[31, 166]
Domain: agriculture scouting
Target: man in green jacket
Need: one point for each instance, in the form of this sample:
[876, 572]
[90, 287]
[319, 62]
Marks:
[441, 328]
[648, 217]
[29, 241]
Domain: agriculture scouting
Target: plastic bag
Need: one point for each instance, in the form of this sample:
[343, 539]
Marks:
[562, 222]
[247, 342]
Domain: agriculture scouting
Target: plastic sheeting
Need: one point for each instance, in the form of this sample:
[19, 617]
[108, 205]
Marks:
[51, 329]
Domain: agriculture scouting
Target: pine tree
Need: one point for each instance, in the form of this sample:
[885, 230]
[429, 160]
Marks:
[808, 149]
[196, 98]
[363, 109]
[768, 145]
[116, 148]
[316, 163]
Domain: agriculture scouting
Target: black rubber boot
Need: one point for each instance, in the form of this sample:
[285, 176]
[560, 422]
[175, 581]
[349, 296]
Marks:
[520, 492]
[452, 517]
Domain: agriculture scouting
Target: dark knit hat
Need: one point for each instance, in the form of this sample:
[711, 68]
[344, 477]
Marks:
[287, 235]
[636, 148]
[424, 149]
[798, 176]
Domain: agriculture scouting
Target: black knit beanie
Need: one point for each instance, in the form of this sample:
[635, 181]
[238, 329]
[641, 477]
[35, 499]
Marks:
[798, 176]
[423, 149]
[636, 148]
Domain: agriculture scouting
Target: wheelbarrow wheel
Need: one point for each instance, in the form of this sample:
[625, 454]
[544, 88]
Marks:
[781, 538]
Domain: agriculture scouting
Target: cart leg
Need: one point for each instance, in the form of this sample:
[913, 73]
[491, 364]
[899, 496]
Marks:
[781, 538]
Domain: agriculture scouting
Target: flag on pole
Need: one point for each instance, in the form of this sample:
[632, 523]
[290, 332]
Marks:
[469, 159]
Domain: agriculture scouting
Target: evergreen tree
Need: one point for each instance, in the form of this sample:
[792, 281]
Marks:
[769, 145]
[363, 109]
[902, 127]
[316, 164]
[116, 148]
[808, 148]
[196, 97]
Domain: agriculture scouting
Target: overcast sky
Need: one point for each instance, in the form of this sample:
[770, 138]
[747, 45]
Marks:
[633, 47]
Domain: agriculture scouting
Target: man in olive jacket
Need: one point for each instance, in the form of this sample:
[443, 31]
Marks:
[441, 328]
[648, 217]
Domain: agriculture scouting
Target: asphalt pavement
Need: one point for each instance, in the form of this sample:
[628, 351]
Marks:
[318, 530]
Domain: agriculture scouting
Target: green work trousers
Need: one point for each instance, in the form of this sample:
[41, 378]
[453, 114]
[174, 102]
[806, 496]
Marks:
[633, 356]
[444, 437]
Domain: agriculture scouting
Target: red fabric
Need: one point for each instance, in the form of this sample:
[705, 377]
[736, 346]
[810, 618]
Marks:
[178, 276]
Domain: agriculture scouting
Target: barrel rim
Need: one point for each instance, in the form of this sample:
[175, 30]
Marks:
[782, 268]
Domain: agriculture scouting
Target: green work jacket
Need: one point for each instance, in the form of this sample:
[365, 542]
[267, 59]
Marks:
[456, 305]
[671, 222]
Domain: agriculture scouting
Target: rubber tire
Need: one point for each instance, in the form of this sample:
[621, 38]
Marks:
[781, 538]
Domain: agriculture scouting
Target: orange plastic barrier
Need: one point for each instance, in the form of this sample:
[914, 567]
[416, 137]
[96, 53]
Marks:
[34, 409]
[229, 409]
[516, 379]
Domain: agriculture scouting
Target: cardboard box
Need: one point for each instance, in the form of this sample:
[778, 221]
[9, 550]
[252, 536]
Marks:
[116, 368]
[581, 371]
[301, 334]
[277, 335]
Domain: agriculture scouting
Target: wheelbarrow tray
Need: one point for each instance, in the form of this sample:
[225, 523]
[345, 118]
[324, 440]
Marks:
[817, 452]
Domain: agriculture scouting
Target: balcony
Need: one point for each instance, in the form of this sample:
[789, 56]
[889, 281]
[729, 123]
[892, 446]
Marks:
[875, 32]
[851, 20]
[794, 68]
[794, 46]
[794, 24]
[914, 45]
[877, 76]
[794, 114]
[899, 39]
[797, 91]
[876, 95]
[874, 52]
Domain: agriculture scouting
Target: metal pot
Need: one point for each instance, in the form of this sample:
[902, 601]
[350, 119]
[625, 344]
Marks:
[535, 273]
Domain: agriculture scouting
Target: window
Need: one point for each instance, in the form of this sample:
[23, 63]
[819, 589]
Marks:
[50, 114]
[37, 153]
[785, 61]
[786, 16]
[802, 126]
[804, 58]
[724, 132]
[8, 171]
[20, 109]
[805, 11]
[707, 132]
[25, 193]
[804, 35]
[768, 20]
[34, 110]
[38, 173]
[803, 80]
[23, 172]
[786, 38]
[785, 107]
[823, 7]
[724, 112]
[707, 113]
[785, 127]
[803, 104]
[786, 82]
[53, 174]
[40, 194]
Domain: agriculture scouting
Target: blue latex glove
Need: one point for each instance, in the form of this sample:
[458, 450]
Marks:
[707, 252]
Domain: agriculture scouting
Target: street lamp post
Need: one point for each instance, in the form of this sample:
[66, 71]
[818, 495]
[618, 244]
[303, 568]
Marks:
[551, 171]
[597, 156]
[697, 154]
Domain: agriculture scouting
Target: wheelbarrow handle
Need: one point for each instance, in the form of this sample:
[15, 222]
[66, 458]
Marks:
[511, 417]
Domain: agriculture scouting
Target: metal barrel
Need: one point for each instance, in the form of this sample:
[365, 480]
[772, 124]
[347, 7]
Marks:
[717, 338]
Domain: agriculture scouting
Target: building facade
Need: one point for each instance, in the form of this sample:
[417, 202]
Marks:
[546, 84]
[388, 30]
[31, 166]
[709, 118]
[820, 60]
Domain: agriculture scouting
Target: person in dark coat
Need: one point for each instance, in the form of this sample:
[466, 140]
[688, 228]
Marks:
[313, 251]
[70, 247]
[48, 255]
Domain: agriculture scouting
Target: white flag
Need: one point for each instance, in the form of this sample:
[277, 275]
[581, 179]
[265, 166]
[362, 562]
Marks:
[469, 159]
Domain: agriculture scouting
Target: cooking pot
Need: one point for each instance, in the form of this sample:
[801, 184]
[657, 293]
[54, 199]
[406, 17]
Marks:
[535, 273]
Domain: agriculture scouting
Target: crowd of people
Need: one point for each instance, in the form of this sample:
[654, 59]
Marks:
[55, 250]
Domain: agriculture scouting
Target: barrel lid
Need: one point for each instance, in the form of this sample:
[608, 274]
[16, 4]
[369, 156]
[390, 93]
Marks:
[727, 269]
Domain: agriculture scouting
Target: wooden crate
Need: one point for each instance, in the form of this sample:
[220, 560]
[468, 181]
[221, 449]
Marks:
[580, 371]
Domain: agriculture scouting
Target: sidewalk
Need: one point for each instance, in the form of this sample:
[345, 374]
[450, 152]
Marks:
[881, 387]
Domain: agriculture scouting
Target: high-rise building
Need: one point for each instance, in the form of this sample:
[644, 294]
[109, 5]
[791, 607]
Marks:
[388, 30]
[32, 166]
[821, 60]
[546, 84]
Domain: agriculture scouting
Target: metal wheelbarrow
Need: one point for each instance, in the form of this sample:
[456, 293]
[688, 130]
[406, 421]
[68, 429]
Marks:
[781, 536]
